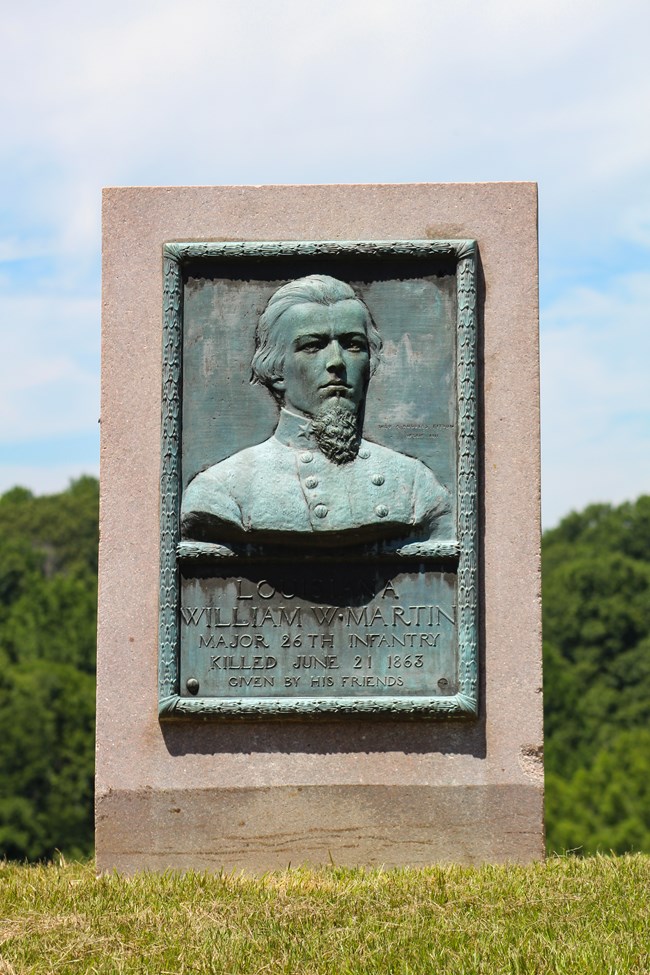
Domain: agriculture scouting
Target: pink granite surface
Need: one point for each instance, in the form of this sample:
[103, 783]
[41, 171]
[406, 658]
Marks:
[261, 795]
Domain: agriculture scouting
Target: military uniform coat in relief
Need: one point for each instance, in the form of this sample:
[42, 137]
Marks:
[286, 490]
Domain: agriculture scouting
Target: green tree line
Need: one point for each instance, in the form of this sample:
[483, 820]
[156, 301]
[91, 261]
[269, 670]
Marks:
[48, 613]
[596, 587]
[596, 599]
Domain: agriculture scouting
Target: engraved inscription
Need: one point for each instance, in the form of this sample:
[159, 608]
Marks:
[386, 633]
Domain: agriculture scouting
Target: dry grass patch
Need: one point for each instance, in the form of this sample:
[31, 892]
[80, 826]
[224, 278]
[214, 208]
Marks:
[565, 916]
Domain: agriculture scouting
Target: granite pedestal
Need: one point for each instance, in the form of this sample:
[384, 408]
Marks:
[259, 795]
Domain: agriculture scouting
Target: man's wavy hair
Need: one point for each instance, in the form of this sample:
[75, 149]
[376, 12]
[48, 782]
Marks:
[320, 289]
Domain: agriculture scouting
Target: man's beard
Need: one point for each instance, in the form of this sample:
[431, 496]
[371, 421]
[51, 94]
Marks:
[337, 432]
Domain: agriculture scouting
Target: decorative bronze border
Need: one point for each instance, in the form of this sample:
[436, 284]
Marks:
[465, 702]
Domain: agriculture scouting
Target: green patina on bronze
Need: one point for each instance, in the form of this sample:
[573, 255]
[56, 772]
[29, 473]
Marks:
[359, 461]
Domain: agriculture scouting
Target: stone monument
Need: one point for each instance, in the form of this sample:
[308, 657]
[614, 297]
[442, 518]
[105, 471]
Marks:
[319, 624]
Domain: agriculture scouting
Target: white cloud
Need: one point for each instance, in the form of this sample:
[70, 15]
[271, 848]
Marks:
[634, 223]
[210, 91]
[596, 395]
[43, 479]
[49, 378]
[15, 249]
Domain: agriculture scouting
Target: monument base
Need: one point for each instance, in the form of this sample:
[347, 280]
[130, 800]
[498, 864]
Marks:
[260, 829]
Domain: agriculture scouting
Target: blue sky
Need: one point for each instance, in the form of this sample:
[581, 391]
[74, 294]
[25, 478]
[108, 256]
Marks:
[310, 91]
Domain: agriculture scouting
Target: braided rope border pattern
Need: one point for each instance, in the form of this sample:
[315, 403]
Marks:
[168, 678]
[467, 480]
[465, 702]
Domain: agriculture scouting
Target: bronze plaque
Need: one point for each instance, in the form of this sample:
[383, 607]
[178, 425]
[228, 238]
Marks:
[319, 489]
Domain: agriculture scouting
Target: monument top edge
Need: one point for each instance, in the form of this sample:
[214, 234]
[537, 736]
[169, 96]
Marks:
[360, 186]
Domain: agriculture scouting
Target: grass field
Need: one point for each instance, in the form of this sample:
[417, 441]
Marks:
[567, 915]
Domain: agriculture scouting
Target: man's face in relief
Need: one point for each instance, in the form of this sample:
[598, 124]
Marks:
[327, 360]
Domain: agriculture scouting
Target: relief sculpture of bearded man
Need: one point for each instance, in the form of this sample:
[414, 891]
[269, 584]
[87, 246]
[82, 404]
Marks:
[316, 481]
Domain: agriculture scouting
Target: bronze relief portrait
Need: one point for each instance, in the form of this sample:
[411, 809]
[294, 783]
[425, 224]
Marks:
[316, 480]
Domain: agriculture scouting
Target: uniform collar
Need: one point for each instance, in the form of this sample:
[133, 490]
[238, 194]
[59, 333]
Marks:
[294, 430]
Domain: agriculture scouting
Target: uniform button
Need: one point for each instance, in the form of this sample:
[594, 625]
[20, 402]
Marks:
[381, 510]
[364, 453]
[306, 458]
[311, 482]
[320, 511]
[377, 479]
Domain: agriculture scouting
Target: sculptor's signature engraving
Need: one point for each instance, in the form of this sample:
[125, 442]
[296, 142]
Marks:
[316, 480]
